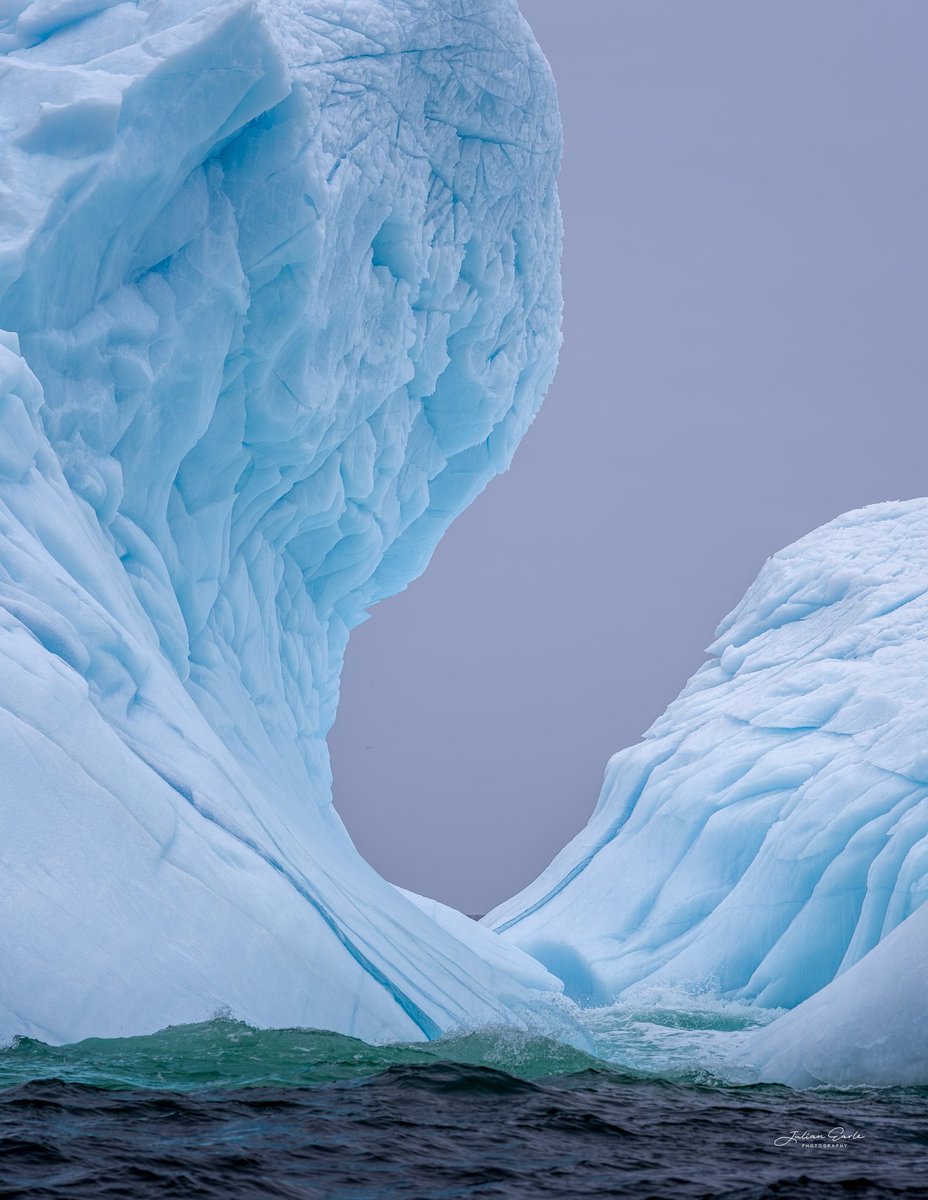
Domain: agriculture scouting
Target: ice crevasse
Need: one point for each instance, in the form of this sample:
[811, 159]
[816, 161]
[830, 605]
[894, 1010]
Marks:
[280, 286]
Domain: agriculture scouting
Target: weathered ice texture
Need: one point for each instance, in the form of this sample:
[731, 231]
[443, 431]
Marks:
[281, 281]
[771, 830]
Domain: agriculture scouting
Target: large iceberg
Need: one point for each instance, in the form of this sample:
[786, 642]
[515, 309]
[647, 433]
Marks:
[767, 840]
[279, 293]
[280, 280]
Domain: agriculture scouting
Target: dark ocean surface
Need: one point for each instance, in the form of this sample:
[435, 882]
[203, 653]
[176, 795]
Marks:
[226, 1112]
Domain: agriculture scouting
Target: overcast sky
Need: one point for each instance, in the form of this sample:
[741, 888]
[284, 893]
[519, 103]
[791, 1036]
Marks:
[745, 196]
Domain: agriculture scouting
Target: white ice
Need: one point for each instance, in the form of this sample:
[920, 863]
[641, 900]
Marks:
[282, 286]
[771, 829]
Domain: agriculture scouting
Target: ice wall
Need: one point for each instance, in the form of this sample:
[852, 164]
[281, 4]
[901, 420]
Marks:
[281, 281]
[771, 829]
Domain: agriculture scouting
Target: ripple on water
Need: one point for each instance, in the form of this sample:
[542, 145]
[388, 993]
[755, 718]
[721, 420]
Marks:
[220, 1111]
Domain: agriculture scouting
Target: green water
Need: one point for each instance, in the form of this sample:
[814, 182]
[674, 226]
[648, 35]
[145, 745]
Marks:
[687, 1039]
[225, 1053]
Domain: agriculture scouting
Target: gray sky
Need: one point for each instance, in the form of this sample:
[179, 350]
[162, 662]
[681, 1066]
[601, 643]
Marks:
[745, 195]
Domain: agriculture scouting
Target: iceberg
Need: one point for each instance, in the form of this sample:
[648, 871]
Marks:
[279, 294]
[767, 840]
[280, 286]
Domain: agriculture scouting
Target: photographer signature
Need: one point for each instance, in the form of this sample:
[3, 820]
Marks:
[839, 1136]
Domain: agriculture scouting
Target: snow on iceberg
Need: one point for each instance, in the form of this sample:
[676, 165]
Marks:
[281, 281]
[771, 829]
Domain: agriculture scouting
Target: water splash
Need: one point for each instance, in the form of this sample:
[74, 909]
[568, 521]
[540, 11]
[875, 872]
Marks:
[669, 1033]
[683, 1033]
[226, 1053]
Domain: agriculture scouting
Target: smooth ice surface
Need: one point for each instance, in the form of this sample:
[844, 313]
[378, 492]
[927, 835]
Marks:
[281, 281]
[771, 829]
[869, 1025]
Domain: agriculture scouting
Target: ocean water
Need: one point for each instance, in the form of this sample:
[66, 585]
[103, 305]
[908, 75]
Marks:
[650, 1109]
